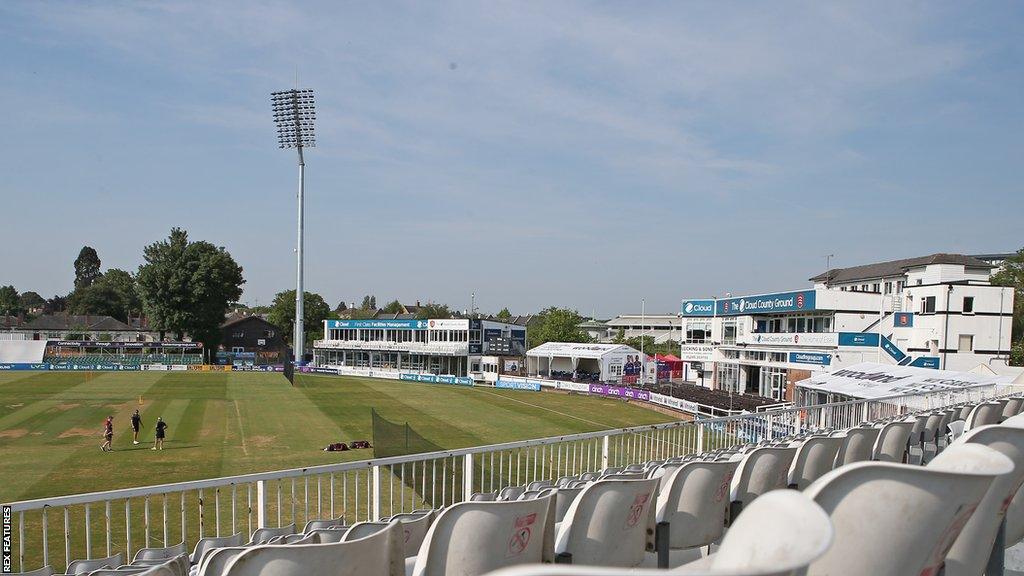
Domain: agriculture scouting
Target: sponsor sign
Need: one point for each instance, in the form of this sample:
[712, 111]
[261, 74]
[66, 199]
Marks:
[799, 301]
[892, 349]
[697, 352]
[792, 339]
[926, 362]
[810, 358]
[91, 344]
[874, 380]
[448, 324]
[903, 319]
[392, 324]
[858, 339]
[619, 392]
[511, 365]
[698, 308]
[518, 384]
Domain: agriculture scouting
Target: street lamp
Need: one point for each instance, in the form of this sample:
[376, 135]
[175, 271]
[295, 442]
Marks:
[294, 114]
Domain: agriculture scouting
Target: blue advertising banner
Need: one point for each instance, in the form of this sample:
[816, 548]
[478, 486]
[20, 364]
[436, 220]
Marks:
[379, 324]
[892, 349]
[518, 385]
[903, 319]
[926, 362]
[810, 358]
[767, 303]
[698, 308]
[858, 339]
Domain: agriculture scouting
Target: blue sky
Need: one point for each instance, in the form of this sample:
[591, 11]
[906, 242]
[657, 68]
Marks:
[547, 153]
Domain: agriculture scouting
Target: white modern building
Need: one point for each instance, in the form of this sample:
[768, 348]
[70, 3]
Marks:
[937, 311]
[451, 346]
[661, 327]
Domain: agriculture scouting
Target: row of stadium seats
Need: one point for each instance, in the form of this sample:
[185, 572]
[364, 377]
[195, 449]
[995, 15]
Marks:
[125, 359]
[908, 495]
[710, 397]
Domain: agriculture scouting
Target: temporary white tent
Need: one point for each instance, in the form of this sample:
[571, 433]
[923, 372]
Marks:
[869, 380]
[608, 360]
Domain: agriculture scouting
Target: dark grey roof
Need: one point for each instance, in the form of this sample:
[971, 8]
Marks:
[895, 268]
[236, 317]
[74, 322]
[400, 316]
[10, 322]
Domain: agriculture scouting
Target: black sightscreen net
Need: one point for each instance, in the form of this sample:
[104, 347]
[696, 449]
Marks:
[394, 439]
[289, 369]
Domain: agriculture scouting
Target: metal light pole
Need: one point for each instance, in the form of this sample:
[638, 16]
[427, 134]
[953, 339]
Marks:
[643, 357]
[294, 115]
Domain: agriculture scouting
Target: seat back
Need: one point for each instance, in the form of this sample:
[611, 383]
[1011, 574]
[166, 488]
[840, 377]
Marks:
[891, 444]
[931, 426]
[210, 543]
[857, 446]
[1013, 407]
[563, 499]
[320, 524]
[965, 411]
[611, 523]
[379, 554]
[414, 530]
[264, 535]
[213, 562]
[695, 502]
[970, 553]
[897, 519]
[539, 485]
[44, 571]
[983, 414]
[175, 566]
[511, 493]
[328, 535]
[471, 538]
[813, 459]
[151, 554]
[483, 497]
[760, 471]
[85, 566]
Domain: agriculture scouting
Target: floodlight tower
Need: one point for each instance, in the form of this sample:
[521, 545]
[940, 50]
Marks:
[294, 115]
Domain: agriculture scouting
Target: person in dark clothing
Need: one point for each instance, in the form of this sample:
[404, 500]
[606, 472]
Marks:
[161, 433]
[108, 434]
[136, 425]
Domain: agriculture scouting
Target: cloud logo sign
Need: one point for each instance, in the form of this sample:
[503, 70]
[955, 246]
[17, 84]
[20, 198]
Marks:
[688, 308]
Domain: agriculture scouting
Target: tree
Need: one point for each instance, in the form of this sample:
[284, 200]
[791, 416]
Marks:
[557, 325]
[30, 300]
[393, 307]
[186, 286]
[431, 310]
[314, 311]
[56, 304]
[1012, 275]
[87, 267]
[341, 307]
[97, 299]
[369, 303]
[123, 284]
[504, 314]
[10, 303]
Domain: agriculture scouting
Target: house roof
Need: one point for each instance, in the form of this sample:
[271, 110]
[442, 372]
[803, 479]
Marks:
[400, 316]
[895, 268]
[237, 317]
[87, 323]
[10, 322]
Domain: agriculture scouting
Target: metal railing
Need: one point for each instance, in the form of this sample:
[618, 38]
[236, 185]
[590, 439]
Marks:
[100, 523]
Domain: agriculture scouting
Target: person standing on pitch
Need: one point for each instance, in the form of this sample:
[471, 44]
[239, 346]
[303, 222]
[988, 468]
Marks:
[108, 434]
[161, 432]
[136, 424]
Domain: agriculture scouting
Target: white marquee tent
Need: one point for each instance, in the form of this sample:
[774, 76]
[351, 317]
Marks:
[869, 380]
[608, 360]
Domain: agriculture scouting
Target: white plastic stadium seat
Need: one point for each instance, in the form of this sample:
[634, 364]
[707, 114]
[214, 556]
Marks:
[319, 524]
[379, 554]
[414, 530]
[211, 543]
[483, 497]
[858, 444]
[1012, 408]
[970, 554]
[611, 523]
[86, 566]
[897, 519]
[983, 414]
[761, 470]
[472, 538]
[214, 561]
[779, 535]
[158, 555]
[813, 459]
[264, 535]
[891, 445]
[692, 507]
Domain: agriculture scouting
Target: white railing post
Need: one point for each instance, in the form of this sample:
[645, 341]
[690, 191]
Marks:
[376, 494]
[605, 443]
[467, 477]
[261, 504]
[700, 437]
[865, 415]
